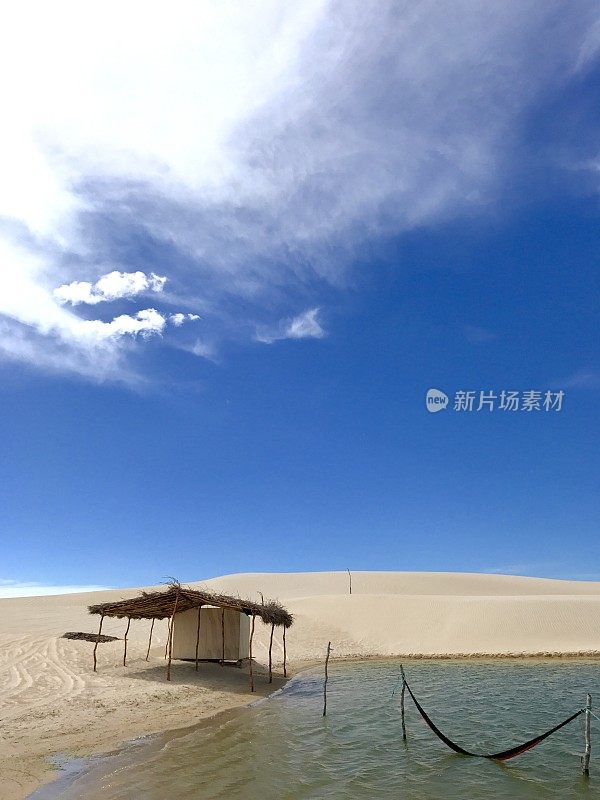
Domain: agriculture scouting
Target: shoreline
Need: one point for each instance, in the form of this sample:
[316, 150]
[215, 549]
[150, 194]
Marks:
[33, 771]
[122, 747]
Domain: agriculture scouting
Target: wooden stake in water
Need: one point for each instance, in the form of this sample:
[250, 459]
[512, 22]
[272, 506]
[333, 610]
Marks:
[326, 679]
[585, 758]
[402, 702]
[284, 655]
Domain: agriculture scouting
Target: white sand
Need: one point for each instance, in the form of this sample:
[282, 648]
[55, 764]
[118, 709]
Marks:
[51, 702]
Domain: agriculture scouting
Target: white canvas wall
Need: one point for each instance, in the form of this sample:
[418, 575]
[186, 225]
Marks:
[237, 633]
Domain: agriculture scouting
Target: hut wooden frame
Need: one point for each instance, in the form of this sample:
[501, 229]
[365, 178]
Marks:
[176, 598]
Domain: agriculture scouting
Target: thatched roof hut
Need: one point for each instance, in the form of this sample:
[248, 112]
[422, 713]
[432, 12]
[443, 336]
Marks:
[176, 599]
[159, 605]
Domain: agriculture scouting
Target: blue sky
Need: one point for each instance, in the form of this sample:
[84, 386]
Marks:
[218, 324]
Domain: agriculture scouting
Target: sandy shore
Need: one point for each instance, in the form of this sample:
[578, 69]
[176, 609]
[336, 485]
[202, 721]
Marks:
[52, 703]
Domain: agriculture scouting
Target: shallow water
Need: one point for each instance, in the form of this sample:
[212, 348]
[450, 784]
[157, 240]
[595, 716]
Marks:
[283, 748]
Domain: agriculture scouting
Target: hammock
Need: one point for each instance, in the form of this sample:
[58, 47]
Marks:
[504, 755]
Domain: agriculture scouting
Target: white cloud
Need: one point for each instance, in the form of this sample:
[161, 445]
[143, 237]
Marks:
[12, 588]
[113, 286]
[144, 322]
[304, 326]
[260, 146]
[36, 329]
[179, 318]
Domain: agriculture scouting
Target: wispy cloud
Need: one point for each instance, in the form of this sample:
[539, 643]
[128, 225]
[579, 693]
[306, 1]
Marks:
[204, 349]
[582, 379]
[295, 135]
[478, 334]
[304, 326]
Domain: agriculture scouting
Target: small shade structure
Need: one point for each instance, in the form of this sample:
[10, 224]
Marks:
[202, 625]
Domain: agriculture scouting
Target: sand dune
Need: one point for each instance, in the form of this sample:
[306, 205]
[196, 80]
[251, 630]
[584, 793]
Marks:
[51, 701]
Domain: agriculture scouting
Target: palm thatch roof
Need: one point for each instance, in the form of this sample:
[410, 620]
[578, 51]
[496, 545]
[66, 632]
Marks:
[89, 637]
[161, 604]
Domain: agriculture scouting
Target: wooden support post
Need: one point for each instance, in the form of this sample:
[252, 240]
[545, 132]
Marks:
[271, 654]
[170, 642]
[198, 636]
[125, 642]
[252, 637]
[96, 645]
[150, 640]
[284, 655]
[585, 758]
[168, 637]
[350, 578]
[326, 679]
[402, 702]
[222, 636]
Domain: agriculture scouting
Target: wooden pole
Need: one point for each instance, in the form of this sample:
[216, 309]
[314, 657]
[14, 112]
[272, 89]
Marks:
[168, 637]
[402, 702]
[350, 578]
[150, 640]
[284, 655]
[271, 654]
[585, 758]
[198, 636]
[125, 642]
[251, 637]
[96, 645]
[222, 636]
[326, 679]
[171, 636]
